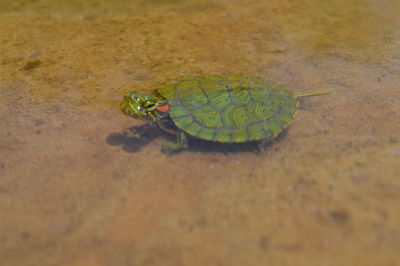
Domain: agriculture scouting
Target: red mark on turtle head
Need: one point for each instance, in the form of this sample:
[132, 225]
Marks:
[163, 108]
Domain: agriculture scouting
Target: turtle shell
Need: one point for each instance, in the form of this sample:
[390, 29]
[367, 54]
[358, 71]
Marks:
[230, 107]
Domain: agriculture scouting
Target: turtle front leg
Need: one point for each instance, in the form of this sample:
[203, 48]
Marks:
[181, 143]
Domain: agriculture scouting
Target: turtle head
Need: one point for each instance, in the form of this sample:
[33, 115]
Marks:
[143, 106]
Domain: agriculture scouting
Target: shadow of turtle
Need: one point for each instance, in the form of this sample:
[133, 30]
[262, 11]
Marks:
[198, 145]
[133, 140]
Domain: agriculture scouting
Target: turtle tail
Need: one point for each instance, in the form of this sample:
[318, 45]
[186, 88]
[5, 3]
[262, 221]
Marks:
[310, 94]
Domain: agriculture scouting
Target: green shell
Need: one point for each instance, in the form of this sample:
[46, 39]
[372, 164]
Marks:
[230, 107]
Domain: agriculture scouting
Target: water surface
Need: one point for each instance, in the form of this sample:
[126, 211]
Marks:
[75, 190]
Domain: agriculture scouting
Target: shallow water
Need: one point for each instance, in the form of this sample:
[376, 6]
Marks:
[77, 189]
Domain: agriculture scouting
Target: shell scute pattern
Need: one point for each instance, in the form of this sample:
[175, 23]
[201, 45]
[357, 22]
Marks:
[236, 116]
[217, 95]
[206, 115]
[241, 96]
[230, 108]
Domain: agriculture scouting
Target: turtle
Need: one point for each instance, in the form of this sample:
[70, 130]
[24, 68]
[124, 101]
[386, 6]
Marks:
[227, 108]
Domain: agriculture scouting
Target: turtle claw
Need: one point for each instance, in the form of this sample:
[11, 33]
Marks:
[263, 143]
[181, 144]
[169, 148]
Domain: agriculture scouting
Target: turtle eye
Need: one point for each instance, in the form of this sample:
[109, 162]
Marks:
[148, 105]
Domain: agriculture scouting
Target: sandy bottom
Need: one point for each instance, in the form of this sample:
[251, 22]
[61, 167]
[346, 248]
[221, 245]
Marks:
[77, 190]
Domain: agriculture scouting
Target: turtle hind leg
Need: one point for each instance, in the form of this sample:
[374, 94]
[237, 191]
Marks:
[181, 144]
[262, 144]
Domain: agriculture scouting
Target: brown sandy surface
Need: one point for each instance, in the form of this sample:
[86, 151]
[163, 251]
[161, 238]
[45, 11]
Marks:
[75, 190]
